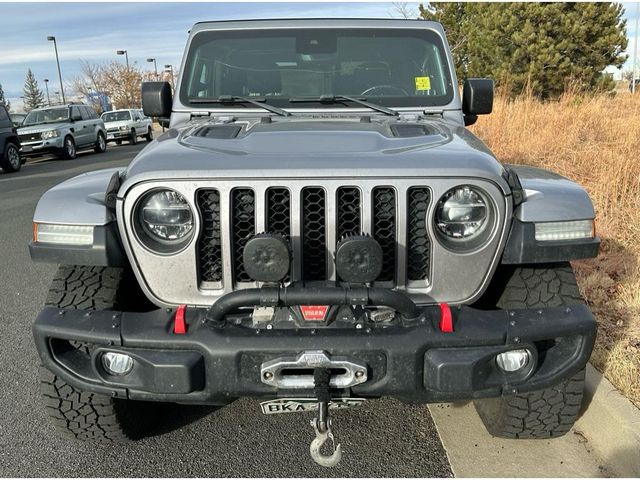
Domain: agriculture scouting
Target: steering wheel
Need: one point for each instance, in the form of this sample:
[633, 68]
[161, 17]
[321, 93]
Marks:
[369, 90]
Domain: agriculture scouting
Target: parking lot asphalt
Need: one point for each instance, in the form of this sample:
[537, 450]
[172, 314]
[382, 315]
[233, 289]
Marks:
[381, 438]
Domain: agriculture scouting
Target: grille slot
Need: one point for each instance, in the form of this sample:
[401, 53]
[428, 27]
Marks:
[418, 242]
[383, 226]
[279, 211]
[348, 212]
[314, 236]
[209, 244]
[243, 227]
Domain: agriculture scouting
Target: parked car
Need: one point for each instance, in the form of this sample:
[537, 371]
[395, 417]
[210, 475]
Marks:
[316, 228]
[10, 160]
[17, 119]
[128, 125]
[62, 130]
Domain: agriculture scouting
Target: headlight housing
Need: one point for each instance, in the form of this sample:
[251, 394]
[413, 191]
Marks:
[164, 221]
[463, 217]
[123, 128]
[50, 134]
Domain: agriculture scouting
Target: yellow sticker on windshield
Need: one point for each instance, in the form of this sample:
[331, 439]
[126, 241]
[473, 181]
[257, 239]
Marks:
[423, 83]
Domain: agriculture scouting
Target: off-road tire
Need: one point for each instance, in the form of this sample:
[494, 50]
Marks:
[69, 150]
[101, 143]
[133, 137]
[546, 413]
[8, 161]
[84, 415]
[149, 135]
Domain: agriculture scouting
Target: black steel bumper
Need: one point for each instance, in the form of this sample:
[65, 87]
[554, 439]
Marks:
[415, 361]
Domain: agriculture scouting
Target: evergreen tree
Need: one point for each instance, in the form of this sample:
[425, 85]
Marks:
[33, 96]
[542, 46]
[4, 101]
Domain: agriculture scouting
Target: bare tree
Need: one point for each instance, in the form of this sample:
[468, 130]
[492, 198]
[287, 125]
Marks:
[119, 82]
[404, 10]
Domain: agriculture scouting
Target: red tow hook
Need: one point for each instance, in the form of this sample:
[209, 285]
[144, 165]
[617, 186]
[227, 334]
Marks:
[446, 320]
[180, 325]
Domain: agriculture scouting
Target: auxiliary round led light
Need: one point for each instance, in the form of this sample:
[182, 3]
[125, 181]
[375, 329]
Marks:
[513, 360]
[117, 363]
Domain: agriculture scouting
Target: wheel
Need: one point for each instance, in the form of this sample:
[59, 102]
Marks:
[84, 415]
[133, 138]
[149, 135]
[11, 161]
[546, 413]
[101, 143]
[69, 149]
[118, 142]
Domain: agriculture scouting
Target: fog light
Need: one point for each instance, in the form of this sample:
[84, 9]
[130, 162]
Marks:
[117, 363]
[513, 360]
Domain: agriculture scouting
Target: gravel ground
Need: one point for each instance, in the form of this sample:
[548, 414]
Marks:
[382, 438]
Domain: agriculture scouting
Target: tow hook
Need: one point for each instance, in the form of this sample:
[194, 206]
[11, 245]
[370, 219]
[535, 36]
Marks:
[322, 423]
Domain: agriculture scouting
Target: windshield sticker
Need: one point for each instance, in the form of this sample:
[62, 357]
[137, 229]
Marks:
[423, 83]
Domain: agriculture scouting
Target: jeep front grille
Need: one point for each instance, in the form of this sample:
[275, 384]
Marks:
[316, 206]
[30, 137]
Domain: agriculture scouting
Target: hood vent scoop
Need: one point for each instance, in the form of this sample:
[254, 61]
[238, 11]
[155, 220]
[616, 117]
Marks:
[410, 130]
[218, 131]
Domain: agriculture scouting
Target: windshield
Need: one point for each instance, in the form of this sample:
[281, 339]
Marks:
[390, 67]
[116, 117]
[47, 115]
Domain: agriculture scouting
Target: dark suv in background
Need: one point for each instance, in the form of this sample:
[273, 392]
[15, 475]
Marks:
[10, 160]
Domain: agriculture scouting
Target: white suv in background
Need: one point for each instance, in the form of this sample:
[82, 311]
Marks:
[128, 125]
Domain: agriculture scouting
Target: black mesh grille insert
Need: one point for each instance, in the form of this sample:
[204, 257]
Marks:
[418, 243]
[384, 229]
[348, 211]
[209, 246]
[314, 239]
[243, 227]
[279, 211]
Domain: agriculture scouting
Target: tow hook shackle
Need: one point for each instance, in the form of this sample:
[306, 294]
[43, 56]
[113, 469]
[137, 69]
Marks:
[322, 423]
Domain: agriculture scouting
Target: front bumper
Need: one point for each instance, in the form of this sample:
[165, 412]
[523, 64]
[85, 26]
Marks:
[415, 361]
[114, 135]
[42, 147]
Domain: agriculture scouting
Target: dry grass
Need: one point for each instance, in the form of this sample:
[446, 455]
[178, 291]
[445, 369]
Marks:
[594, 140]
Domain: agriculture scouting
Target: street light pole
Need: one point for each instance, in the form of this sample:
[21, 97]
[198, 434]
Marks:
[55, 46]
[155, 65]
[46, 85]
[126, 56]
[170, 69]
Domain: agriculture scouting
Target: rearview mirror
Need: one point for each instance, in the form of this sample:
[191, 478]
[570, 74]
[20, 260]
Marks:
[156, 99]
[477, 98]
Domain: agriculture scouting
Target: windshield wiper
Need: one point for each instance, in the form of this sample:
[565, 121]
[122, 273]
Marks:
[230, 99]
[342, 98]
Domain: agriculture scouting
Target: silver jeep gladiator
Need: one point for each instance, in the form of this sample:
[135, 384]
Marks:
[316, 228]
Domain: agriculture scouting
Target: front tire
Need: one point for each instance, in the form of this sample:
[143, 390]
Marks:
[101, 144]
[69, 149]
[546, 413]
[84, 415]
[11, 161]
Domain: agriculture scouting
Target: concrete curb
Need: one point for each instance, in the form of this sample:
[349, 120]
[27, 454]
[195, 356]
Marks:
[611, 423]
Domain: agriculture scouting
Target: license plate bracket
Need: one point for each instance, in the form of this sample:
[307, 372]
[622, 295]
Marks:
[294, 405]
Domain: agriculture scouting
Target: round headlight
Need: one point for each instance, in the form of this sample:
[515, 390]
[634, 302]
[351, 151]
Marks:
[461, 213]
[166, 220]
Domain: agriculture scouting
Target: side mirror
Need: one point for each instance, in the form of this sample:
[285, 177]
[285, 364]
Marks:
[477, 98]
[156, 99]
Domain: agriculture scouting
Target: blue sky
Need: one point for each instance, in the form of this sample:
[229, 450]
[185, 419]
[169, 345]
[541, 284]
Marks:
[94, 31]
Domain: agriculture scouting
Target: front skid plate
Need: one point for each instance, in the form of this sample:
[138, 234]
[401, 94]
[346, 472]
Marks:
[292, 405]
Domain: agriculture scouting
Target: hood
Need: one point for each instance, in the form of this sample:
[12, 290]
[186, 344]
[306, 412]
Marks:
[118, 124]
[296, 147]
[44, 127]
